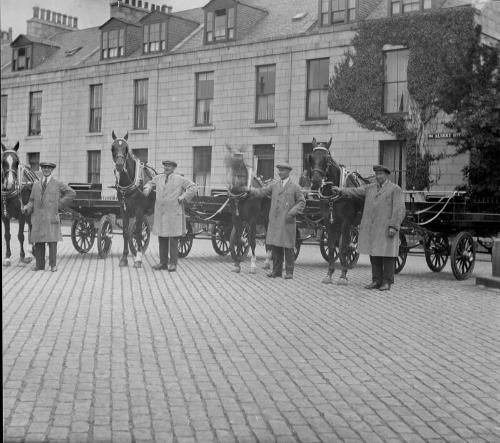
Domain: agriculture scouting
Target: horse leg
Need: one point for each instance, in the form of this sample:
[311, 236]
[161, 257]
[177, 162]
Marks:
[236, 236]
[6, 224]
[333, 236]
[20, 237]
[138, 237]
[252, 235]
[126, 222]
[345, 240]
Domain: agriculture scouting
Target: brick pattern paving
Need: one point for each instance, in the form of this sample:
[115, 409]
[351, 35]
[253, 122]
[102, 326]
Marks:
[98, 353]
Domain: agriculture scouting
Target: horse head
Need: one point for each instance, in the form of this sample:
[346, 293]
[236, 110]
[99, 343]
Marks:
[120, 151]
[322, 165]
[10, 165]
[237, 170]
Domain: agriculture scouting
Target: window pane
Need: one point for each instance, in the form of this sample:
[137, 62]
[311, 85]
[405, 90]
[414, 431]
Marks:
[427, 4]
[202, 165]
[230, 18]
[113, 39]
[104, 39]
[324, 5]
[163, 35]
[265, 161]
[391, 97]
[94, 166]
[210, 21]
[145, 33]
[391, 66]
[205, 85]
[141, 154]
[34, 160]
[220, 23]
[4, 115]
[396, 8]
[154, 32]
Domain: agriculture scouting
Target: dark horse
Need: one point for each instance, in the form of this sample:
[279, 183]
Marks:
[341, 215]
[246, 210]
[17, 181]
[131, 175]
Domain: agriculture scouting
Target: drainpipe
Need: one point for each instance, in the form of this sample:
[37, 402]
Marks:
[157, 109]
[289, 108]
[60, 130]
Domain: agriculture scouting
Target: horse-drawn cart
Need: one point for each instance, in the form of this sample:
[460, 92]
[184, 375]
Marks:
[97, 217]
[448, 226]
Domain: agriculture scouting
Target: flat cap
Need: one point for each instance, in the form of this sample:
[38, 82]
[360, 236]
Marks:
[169, 162]
[379, 168]
[47, 165]
[284, 165]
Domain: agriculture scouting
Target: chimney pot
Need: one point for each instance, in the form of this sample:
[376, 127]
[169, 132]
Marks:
[139, 3]
[75, 22]
[163, 8]
[36, 11]
[169, 9]
[146, 5]
[47, 15]
[59, 18]
[153, 7]
[133, 2]
[126, 2]
[64, 18]
[157, 7]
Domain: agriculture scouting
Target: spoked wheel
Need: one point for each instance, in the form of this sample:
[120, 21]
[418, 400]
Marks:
[220, 238]
[298, 244]
[104, 236]
[437, 251]
[240, 246]
[323, 247]
[463, 255]
[402, 255]
[186, 241]
[83, 234]
[145, 236]
[352, 251]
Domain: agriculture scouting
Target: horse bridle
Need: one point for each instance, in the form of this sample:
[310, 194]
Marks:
[324, 183]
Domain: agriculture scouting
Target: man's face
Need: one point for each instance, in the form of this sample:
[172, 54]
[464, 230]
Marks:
[284, 173]
[46, 171]
[168, 168]
[381, 177]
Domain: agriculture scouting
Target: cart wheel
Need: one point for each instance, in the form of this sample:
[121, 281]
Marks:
[437, 251]
[323, 247]
[186, 241]
[463, 255]
[298, 244]
[220, 238]
[403, 253]
[145, 236]
[83, 234]
[104, 236]
[239, 247]
[352, 253]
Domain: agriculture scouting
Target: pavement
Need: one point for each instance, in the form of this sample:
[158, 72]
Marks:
[99, 353]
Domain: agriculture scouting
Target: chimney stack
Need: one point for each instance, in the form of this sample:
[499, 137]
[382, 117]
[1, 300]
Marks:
[46, 23]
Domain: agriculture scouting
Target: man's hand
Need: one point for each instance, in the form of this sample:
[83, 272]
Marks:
[181, 199]
[336, 190]
[289, 218]
[392, 231]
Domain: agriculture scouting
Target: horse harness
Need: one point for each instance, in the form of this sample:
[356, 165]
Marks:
[127, 191]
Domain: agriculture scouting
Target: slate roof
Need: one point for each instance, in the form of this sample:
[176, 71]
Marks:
[276, 23]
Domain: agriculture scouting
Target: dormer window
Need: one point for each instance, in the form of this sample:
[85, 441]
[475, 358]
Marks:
[220, 25]
[407, 6]
[113, 43]
[338, 11]
[21, 59]
[155, 37]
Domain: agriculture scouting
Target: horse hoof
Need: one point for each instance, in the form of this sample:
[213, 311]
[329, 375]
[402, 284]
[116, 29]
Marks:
[266, 266]
[253, 270]
[6, 262]
[342, 281]
[236, 269]
[27, 260]
[327, 280]
[123, 262]
[138, 264]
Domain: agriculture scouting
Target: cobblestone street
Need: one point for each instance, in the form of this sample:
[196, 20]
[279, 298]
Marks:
[99, 353]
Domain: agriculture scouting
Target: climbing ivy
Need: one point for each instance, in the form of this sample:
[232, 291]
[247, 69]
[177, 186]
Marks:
[440, 45]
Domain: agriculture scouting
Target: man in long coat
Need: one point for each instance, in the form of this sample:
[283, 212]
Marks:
[383, 213]
[47, 196]
[169, 222]
[287, 201]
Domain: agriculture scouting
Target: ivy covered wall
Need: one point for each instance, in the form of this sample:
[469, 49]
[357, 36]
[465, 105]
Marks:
[440, 45]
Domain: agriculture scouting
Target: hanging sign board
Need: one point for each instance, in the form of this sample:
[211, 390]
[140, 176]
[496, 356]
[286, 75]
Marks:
[438, 135]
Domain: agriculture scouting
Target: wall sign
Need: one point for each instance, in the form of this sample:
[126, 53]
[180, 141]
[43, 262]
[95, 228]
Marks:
[437, 135]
